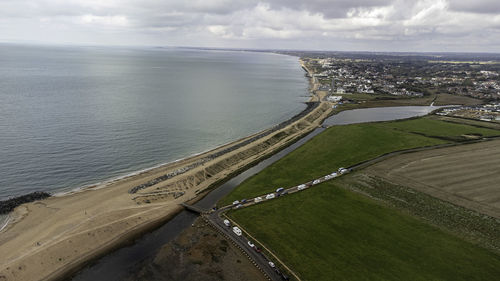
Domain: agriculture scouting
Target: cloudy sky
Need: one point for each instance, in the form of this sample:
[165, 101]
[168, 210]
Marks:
[370, 25]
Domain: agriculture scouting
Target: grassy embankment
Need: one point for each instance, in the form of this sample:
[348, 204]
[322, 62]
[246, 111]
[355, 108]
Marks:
[329, 233]
[343, 146]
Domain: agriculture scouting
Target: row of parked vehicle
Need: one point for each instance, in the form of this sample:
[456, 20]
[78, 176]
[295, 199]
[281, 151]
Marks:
[281, 190]
[337, 173]
[238, 233]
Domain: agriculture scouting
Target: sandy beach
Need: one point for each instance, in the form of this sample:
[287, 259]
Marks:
[48, 239]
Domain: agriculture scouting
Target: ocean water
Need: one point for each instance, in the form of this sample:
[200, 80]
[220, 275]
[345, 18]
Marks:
[74, 116]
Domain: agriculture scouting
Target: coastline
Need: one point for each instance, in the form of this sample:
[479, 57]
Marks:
[104, 183]
[94, 220]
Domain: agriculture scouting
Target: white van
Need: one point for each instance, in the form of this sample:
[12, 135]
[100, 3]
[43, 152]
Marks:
[270, 196]
[237, 230]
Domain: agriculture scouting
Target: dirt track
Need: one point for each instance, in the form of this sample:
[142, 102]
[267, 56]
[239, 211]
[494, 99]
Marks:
[466, 175]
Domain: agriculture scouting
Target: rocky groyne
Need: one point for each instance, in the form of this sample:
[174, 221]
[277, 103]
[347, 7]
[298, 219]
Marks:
[8, 205]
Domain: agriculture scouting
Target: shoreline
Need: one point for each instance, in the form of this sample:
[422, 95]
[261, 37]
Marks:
[35, 242]
[104, 183]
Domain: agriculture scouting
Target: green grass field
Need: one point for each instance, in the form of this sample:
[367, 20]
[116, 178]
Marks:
[339, 146]
[329, 233]
[343, 146]
[430, 127]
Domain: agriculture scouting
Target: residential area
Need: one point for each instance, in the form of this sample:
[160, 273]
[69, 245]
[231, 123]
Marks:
[411, 78]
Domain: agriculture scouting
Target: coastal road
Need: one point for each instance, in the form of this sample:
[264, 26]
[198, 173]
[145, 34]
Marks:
[258, 258]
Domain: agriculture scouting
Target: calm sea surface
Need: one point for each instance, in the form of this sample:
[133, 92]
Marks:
[73, 116]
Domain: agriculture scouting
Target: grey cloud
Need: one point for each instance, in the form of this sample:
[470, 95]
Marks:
[476, 6]
[318, 24]
[329, 8]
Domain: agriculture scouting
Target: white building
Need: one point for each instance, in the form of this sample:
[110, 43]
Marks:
[334, 98]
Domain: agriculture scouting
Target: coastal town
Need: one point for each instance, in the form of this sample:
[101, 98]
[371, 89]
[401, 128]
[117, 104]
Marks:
[406, 77]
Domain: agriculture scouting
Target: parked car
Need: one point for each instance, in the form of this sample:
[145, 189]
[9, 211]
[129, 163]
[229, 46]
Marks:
[257, 199]
[236, 202]
[302, 186]
[257, 249]
[279, 190]
[250, 244]
[243, 201]
[238, 206]
[270, 196]
[227, 223]
[316, 182]
[271, 264]
[237, 230]
[334, 174]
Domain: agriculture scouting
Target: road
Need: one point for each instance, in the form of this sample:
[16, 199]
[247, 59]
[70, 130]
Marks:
[258, 258]
[215, 218]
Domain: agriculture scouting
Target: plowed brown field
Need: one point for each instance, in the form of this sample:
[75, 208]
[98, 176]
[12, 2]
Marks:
[466, 175]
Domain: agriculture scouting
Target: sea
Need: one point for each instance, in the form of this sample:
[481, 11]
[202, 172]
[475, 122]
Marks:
[77, 116]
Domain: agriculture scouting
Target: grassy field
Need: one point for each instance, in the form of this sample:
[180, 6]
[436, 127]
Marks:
[477, 123]
[338, 146]
[343, 146]
[438, 99]
[329, 233]
[430, 127]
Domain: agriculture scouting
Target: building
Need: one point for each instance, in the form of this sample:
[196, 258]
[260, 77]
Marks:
[334, 98]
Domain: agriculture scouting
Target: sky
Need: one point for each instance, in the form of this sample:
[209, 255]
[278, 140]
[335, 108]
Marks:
[337, 25]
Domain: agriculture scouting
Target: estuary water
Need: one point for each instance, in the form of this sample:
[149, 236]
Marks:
[377, 114]
[74, 116]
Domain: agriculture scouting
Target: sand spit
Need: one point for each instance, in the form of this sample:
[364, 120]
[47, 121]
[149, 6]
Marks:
[46, 240]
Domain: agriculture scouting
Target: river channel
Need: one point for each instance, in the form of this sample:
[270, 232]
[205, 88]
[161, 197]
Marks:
[119, 264]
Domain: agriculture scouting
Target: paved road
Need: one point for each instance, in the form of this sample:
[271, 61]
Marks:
[258, 258]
